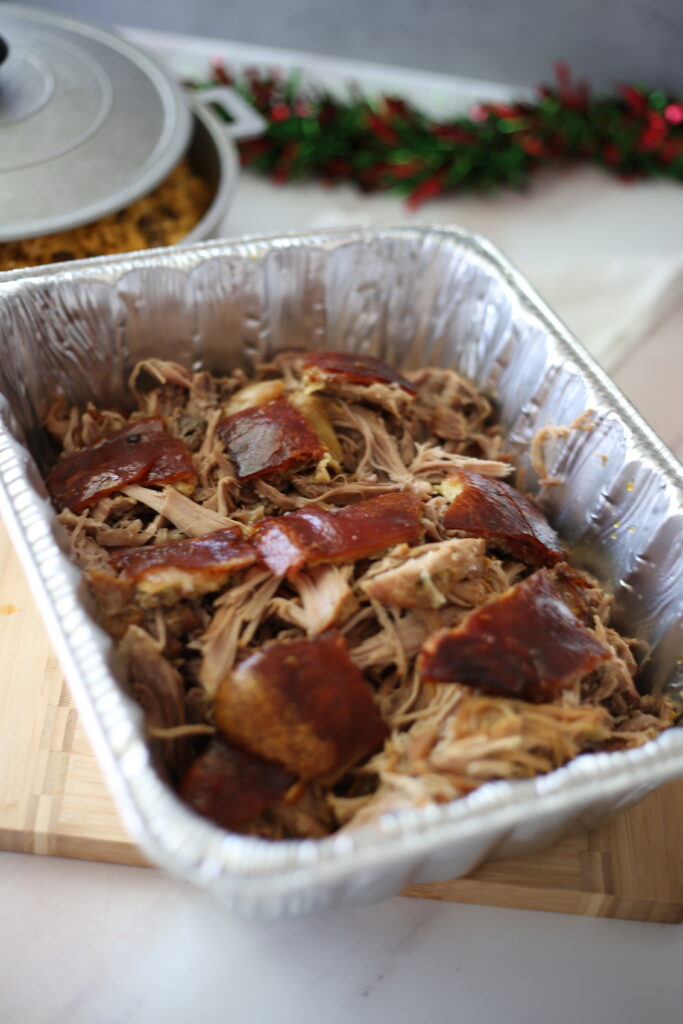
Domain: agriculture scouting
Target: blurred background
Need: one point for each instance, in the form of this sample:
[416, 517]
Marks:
[602, 40]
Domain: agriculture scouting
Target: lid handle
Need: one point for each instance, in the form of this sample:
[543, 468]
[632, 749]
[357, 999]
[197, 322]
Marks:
[244, 122]
[4, 49]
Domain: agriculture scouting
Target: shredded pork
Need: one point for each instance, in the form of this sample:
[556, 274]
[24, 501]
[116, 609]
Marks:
[380, 437]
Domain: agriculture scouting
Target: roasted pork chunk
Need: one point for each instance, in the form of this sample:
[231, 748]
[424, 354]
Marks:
[313, 536]
[230, 786]
[485, 507]
[303, 704]
[526, 643]
[143, 452]
[194, 566]
[269, 440]
[323, 367]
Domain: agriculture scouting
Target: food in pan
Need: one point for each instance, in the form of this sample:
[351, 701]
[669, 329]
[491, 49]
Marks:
[164, 217]
[327, 596]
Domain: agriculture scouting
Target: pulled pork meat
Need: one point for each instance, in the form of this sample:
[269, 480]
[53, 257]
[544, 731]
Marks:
[327, 600]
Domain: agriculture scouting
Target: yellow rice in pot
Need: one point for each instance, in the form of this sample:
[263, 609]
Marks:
[164, 217]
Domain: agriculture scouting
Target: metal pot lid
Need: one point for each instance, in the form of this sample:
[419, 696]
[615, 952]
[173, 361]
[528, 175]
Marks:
[88, 123]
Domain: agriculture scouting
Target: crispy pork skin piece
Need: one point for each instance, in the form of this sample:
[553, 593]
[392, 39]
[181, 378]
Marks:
[143, 452]
[313, 536]
[269, 439]
[231, 786]
[527, 643]
[194, 566]
[492, 509]
[329, 368]
[303, 704]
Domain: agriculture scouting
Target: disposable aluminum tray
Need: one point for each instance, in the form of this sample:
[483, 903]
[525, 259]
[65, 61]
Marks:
[414, 297]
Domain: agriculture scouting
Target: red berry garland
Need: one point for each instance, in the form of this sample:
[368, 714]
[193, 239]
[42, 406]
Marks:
[387, 144]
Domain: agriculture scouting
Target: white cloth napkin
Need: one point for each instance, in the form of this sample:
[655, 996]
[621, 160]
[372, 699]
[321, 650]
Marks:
[610, 306]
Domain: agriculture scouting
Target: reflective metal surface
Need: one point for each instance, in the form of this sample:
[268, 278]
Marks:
[413, 297]
[88, 123]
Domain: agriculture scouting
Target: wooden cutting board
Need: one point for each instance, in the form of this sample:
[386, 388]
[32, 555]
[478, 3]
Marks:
[53, 800]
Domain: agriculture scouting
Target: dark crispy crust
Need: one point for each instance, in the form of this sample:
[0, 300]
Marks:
[527, 643]
[230, 786]
[315, 536]
[283, 543]
[269, 439]
[303, 704]
[352, 368]
[143, 452]
[217, 553]
[492, 509]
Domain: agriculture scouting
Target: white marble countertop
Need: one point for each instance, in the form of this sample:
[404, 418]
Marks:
[99, 944]
[94, 944]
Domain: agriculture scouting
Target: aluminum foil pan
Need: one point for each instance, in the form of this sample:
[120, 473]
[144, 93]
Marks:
[411, 296]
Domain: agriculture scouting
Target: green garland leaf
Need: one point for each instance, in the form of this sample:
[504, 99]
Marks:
[387, 144]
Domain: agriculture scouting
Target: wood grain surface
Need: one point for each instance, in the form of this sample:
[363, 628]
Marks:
[54, 801]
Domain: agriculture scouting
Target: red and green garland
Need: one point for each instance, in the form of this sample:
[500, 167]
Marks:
[386, 144]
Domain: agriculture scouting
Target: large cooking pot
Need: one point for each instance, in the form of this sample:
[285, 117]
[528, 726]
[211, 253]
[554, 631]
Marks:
[89, 124]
